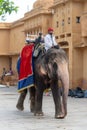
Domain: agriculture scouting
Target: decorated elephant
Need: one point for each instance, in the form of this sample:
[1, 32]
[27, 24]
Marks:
[49, 69]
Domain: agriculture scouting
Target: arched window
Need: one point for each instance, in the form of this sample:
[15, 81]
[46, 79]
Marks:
[77, 19]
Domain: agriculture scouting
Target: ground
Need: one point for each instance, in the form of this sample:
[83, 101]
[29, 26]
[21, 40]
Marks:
[12, 119]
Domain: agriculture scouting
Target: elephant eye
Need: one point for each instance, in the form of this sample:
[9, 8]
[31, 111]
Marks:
[44, 76]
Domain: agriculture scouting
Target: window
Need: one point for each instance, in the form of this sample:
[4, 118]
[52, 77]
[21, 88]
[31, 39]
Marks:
[63, 22]
[56, 37]
[68, 20]
[57, 24]
[62, 36]
[68, 34]
[77, 19]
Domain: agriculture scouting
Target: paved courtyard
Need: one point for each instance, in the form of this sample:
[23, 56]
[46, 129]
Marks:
[12, 119]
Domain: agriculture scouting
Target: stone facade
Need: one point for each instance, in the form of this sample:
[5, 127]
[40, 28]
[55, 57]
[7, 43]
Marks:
[69, 20]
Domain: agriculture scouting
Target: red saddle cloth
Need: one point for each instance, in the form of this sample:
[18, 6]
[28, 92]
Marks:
[26, 62]
[26, 77]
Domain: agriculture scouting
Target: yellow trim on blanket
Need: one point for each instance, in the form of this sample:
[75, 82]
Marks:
[32, 85]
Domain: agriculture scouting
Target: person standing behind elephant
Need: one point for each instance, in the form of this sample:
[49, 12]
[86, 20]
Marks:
[39, 39]
[3, 73]
[50, 40]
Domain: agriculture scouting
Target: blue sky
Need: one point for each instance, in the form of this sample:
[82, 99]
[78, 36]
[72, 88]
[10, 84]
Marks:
[24, 6]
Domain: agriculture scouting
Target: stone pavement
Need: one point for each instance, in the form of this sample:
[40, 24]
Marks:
[12, 119]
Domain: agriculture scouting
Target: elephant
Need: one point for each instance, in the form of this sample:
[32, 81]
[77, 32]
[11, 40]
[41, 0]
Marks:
[49, 68]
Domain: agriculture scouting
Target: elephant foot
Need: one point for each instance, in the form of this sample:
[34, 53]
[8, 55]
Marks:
[32, 110]
[20, 107]
[60, 116]
[39, 114]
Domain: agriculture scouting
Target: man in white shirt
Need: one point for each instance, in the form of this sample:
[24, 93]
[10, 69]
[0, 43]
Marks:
[49, 40]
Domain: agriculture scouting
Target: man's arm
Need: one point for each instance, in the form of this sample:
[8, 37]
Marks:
[54, 41]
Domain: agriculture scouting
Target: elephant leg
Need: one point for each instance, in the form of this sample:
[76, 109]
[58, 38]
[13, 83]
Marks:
[38, 102]
[57, 99]
[20, 103]
[32, 99]
[65, 85]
